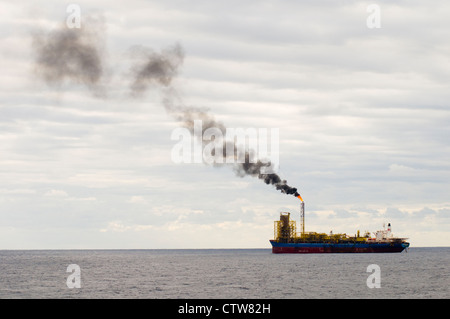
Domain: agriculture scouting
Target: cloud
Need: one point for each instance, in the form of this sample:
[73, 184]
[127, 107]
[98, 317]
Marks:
[401, 169]
[115, 226]
[137, 200]
[363, 118]
[392, 212]
[56, 193]
[61, 194]
[19, 191]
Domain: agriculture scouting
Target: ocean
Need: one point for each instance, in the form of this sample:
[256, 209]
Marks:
[421, 273]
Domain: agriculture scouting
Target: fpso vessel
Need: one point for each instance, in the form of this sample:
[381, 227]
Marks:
[287, 240]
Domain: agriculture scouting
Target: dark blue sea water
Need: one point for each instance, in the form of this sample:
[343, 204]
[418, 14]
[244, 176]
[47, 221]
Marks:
[228, 273]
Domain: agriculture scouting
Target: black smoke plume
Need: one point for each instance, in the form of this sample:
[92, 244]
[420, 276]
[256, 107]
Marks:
[73, 55]
[76, 55]
[155, 69]
[160, 69]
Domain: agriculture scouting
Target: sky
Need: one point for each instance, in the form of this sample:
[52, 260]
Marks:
[363, 117]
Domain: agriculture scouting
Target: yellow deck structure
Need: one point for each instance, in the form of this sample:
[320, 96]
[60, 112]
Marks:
[285, 230]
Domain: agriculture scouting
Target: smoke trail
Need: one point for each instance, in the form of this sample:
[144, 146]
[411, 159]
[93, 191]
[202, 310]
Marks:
[155, 68]
[75, 55]
[160, 69]
[68, 54]
[254, 169]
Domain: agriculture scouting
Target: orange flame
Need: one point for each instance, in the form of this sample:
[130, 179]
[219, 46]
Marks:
[299, 197]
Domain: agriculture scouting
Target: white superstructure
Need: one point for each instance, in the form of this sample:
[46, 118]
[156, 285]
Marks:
[385, 235]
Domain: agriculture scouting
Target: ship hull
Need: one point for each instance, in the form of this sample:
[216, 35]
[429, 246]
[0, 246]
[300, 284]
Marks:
[320, 248]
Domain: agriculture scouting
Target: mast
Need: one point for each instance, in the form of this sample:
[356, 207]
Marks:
[302, 217]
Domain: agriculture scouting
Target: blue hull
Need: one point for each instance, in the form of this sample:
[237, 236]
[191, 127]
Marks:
[318, 248]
